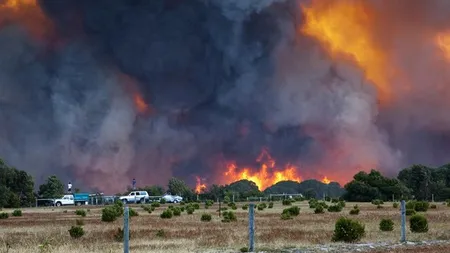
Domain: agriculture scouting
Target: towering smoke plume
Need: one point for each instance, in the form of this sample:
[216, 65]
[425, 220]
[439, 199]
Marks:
[103, 91]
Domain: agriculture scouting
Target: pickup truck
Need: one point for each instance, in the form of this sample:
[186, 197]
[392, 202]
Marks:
[135, 197]
[172, 198]
[72, 199]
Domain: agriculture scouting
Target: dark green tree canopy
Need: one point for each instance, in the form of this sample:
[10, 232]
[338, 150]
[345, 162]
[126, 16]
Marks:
[178, 186]
[16, 187]
[52, 188]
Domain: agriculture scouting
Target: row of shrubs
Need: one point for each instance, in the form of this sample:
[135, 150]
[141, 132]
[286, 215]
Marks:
[15, 213]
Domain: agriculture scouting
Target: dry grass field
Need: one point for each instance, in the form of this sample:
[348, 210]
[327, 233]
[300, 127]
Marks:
[46, 230]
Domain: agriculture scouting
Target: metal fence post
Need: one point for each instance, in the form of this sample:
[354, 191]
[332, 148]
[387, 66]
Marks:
[251, 227]
[126, 231]
[403, 225]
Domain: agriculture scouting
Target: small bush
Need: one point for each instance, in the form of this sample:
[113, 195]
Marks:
[348, 230]
[377, 202]
[379, 206]
[79, 222]
[155, 204]
[65, 211]
[433, 206]
[418, 224]
[422, 206]
[244, 249]
[176, 211]
[342, 203]
[411, 204]
[410, 212]
[234, 207]
[17, 213]
[260, 208]
[395, 205]
[245, 207]
[196, 206]
[81, 212]
[182, 203]
[209, 202]
[328, 198]
[76, 232]
[162, 201]
[334, 200]
[270, 205]
[292, 211]
[190, 210]
[206, 217]
[335, 208]
[166, 214]
[319, 209]
[182, 209]
[354, 211]
[286, 202]
[4, 215]
[132, 212]
[386, 225]
[229, 216]
[160, 233]
[109, 214]
[286, 216]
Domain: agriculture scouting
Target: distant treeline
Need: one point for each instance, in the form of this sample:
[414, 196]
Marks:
[416, 182]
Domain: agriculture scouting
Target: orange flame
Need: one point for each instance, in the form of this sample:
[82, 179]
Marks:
[266, 176]
[140, 103]
[28, 13]
[325, 180]
[199, 187]
[443, 42]
[344, 29]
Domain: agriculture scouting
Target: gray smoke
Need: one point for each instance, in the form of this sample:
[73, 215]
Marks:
[222, 79]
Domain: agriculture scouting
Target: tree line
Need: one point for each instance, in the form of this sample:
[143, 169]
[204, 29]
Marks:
[17, 187]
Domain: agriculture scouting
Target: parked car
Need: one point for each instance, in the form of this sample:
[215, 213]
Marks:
[73, 199]
[135, 197]
[172, 198]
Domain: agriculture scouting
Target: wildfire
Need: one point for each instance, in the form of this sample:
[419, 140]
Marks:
[267, 175]
[443, 41]
[140, 103]
[325, 180]
[344, 29]
[28, 13]
[199, 187]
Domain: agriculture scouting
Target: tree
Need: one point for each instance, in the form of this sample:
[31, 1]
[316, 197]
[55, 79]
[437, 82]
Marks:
[419, 179]
[16, 187]
[154, 190]
[177, 186]
[52, 188]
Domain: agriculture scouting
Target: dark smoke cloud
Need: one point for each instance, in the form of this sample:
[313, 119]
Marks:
[223, 79]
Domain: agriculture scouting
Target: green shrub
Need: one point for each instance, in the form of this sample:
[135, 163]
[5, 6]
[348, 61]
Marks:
[231, 204]
[79, 222]
[196, 206]
[162, 201]
[328, 198]
[155, 204]
[176, 211]
[335, 208]
[379, 206]
[229, 216]
[348, 230]
[286, 202]
[109, 214]
[334, 200]
[234, 207]
[433, 206]
[17, 213]
[354, 211]
[132, 212]
[244, 249]
[182, 203]
[410, 212]
[245, 207]
[118, 235]
[286, 216]
[76, 232]
[270, 205]
[206, 217]
[422, 206]
[312, 203]
[160, 233]
[166, 214]
[65, 211]
[418, 224]
[342, 203]
[182, 209]
[292, 211]
[377, 202]
[81, 212]
[190, 210]
[411, 204]
[260, 207]
[319, 209]
[209, 202]
[4, 215]
[395, 205]
[386, 225]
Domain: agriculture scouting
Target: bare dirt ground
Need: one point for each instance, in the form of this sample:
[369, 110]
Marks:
[46, 230]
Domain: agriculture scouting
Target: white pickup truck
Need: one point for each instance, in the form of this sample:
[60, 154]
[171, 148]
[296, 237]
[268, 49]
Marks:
[135, 197]
[72, 199]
